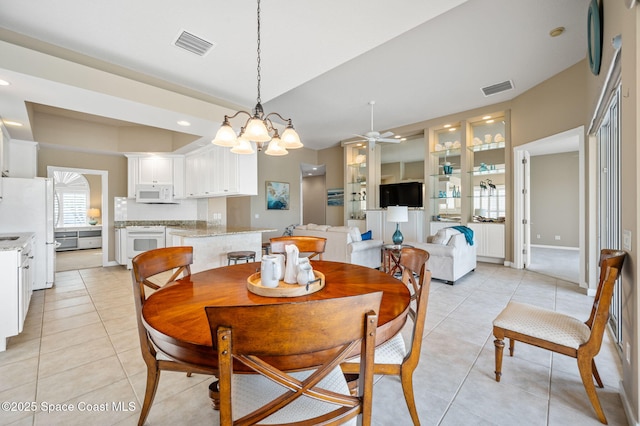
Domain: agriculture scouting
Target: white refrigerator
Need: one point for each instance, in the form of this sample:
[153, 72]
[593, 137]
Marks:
[27, 206]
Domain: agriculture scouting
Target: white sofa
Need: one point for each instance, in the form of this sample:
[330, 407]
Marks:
[344, 244]
[451, 257]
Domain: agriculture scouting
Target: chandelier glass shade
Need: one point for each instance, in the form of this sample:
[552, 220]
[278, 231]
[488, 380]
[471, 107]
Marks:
[258, 128]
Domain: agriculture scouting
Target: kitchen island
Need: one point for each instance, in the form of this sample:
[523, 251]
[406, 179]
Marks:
[212, 243]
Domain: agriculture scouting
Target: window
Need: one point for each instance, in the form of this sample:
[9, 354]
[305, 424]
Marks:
[608, 136]
[72, 198]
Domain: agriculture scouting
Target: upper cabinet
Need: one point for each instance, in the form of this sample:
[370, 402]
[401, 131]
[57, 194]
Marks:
[156, 170]
[215, 171]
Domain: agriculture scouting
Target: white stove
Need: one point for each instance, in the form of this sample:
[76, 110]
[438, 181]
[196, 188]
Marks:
[143, 238]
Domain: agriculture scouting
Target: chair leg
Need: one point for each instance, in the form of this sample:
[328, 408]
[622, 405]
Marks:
[595, 373]
[406, 377]
[586, 373]
[499, 344]
[153, 378]
[512, 346]
[214, 394]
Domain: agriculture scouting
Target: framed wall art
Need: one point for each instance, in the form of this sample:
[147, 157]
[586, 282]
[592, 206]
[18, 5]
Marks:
[335, 197]
[277, 195]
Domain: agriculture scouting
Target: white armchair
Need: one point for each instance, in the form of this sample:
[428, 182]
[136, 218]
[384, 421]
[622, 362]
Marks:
[451, 257]
[344, 244]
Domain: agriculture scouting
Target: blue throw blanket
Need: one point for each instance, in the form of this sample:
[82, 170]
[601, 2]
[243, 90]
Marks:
[468, 233]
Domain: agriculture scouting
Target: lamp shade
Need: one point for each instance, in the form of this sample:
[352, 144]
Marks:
[243, 147]
[93, 212]
[397, 214]
[226, 136]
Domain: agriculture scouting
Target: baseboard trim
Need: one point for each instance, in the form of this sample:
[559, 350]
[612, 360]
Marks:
[555, 247]
[631, 418]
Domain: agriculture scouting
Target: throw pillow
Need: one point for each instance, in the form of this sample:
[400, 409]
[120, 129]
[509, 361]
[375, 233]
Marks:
[354, 232]
[440, 236]
[366, 236]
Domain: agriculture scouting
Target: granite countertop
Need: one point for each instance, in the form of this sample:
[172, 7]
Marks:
[212, 231]
[16, 244]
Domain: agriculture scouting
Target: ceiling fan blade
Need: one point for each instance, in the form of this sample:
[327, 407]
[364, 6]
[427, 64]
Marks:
[388, 140]
[386, 135]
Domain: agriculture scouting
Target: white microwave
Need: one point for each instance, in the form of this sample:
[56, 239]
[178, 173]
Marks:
[154, 194]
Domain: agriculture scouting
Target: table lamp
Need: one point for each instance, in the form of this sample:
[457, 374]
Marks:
[93, 215]
[397, 214]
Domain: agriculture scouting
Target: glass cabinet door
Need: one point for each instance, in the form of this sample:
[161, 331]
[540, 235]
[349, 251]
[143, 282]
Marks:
[355, 195]
[487, 173]
[446, 176]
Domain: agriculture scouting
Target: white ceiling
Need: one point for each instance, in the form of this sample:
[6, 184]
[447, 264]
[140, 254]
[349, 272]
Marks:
[322, 62]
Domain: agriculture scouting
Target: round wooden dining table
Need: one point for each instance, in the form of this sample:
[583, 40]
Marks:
[175, 317]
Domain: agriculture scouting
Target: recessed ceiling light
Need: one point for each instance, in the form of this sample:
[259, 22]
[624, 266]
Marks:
[314, 168]
[12, 123]
[453, 129]
[184, 123]
[397, 136]
[4, 83]
[556, 32]
[358, 144]
[447, 126]
[490, 121]
[403, 139]
[486, 117]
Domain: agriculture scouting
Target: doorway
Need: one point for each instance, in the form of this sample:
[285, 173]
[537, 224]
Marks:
[529, 250]
[314, 194]
[86, 258]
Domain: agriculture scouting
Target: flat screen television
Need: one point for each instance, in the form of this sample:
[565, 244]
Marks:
[401, 194]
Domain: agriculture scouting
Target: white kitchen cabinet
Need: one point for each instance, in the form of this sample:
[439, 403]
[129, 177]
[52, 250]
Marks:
[489, 240]
[23, 159]
[247, 173]
[156, 170]
[17, 266]
[215, 171]
[178, 177]
[4, 154]
[121, 246]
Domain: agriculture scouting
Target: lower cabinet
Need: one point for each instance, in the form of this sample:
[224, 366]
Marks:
[120, 243]
[489, 239]
[17, 268]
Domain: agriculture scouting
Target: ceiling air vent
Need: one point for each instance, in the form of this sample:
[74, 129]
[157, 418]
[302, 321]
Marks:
[193, 44]
[497, 88]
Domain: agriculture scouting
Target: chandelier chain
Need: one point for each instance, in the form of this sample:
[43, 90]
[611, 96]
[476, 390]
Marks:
[258, 50]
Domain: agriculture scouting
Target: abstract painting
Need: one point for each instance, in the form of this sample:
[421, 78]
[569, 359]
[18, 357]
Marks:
[277, 195]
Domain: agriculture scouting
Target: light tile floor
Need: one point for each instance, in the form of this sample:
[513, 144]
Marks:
[80, 351]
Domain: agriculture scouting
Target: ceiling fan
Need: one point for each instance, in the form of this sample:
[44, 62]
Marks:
[373, 136]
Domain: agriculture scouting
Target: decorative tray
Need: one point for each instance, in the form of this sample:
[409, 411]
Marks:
[283, 289]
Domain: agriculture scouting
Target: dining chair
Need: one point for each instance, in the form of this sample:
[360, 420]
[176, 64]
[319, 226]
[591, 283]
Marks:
[313, 245]
[393, 357]
[321, 333]
[149, 268]
[562, 333]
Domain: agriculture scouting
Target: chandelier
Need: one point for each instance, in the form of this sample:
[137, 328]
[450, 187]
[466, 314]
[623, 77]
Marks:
[258, 128]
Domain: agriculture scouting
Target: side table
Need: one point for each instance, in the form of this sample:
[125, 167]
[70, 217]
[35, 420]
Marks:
[391, 257]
